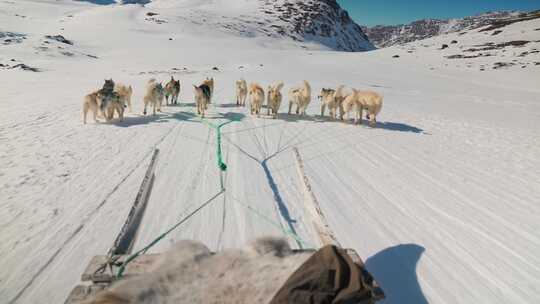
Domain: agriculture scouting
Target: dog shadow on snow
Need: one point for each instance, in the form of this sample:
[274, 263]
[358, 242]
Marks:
[131, 121]
[394, 268]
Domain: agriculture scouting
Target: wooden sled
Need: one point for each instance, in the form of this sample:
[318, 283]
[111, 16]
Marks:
[97, 278]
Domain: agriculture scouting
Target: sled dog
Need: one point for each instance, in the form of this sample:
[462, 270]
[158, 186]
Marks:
[109, 101]
[372, 102]
[256, 98]
[172, 90]
[301, 97]
[91, 104]
[241, 92]
[210, 83]
[363, 100]
[328, 100]
[274, 99]
[125, 92]
[154, 96]
[203, 94]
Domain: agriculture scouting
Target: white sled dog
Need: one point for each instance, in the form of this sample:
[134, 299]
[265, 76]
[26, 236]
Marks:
[172, 90]
[360, 100]
[154, 96]
[372, 102]
[91, 104]
[203, 94]
[328, 100]
[241, 92]
[125, 92]
[339, 97]
[274, 99]
[256, 98]
[301, 97]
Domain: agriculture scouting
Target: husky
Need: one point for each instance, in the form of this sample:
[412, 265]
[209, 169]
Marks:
[110, 101]
[241, 92]
[328, 100]
[351, 104]
[154, 96]
[91, 103]
[301, 97]
[125, 92]
[360, 100]
[256, 98]
[203, 94]
[235, 276]
[172, 89]
[274, 99]
[210, 83]
[339, 96]
[372, 102]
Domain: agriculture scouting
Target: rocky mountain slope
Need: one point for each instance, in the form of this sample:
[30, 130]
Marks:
[319, 22]
[384, 36]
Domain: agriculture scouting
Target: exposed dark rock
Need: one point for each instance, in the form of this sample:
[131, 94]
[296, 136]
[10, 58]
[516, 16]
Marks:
[496, 24]
[24, 67]
[383, 36]
[395, 56]
[496, 32]
[59, 38]
[444, 46]
[150, 14]
[500, 65]
[453, 42]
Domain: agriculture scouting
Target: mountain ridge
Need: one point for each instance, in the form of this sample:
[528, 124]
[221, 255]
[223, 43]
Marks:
[388, 35]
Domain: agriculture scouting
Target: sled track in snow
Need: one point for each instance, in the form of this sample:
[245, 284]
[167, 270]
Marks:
[85, 220]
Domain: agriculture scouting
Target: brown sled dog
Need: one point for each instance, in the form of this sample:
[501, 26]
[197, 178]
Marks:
[172, 90]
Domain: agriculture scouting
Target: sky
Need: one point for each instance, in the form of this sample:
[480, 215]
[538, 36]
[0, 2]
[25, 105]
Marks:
[388, 12]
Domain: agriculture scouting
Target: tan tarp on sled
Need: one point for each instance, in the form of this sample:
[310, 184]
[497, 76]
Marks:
[328, 277]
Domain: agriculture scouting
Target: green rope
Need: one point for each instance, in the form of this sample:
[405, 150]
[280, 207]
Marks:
[219, 154]
[288, 232]
[163, 235]
[223, 167]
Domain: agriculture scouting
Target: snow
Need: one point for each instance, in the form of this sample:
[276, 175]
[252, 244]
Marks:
[440, 199]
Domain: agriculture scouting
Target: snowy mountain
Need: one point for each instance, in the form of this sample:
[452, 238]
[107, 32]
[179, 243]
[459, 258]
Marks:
[384, 36]
[440, 199]
[308, 23]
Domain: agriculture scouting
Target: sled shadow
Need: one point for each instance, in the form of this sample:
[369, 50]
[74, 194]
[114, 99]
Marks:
[234, 116]
[131, 121]
[100, 2]
[401, 127]
[228, 105]
[296, 118]
[180, 104]
[186, 116]
[395, 270]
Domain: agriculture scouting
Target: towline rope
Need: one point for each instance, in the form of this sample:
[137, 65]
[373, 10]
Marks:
[222, 167]
[163, 235]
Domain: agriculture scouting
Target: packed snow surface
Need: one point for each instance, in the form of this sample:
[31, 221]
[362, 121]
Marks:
[440, 199]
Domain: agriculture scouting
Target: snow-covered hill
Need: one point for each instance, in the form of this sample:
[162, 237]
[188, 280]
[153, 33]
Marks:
[384, 36]
[310, 24]
[440, 200]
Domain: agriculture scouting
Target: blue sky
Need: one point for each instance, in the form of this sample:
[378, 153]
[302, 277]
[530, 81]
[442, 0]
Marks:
[375, 12]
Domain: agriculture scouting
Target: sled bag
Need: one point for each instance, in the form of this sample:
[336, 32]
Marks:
[329, 276]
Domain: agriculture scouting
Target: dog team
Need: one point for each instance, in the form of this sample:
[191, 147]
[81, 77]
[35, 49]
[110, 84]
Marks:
[115, 97]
